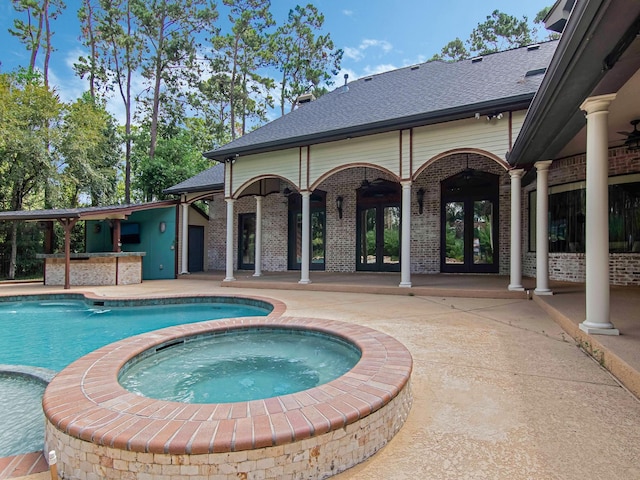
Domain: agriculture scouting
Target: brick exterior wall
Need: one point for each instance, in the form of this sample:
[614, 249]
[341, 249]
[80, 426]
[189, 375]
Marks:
[340, 246]
[624, 268]
[425, 228]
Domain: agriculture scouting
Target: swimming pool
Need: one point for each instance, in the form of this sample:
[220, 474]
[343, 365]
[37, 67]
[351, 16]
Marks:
[52, 333]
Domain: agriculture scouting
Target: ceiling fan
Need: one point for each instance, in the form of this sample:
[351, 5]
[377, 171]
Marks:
[633, 138]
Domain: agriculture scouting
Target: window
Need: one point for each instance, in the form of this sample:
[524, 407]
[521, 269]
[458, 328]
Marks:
[129, 233]
[567, 216]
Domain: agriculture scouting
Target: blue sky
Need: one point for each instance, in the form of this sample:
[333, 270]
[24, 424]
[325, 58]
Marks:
[376, 35]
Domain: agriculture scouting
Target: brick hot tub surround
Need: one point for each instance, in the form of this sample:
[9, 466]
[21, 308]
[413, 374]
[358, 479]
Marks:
[102, 431]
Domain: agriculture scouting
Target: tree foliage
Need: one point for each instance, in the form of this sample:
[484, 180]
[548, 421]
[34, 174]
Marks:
[34, 29]
[304, 58]
[241, 54]
[167, 29]
[177, 159]
[178, 76]
[499, 31]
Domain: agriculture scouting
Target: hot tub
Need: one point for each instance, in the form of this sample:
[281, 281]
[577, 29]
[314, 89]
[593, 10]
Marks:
[100, 430]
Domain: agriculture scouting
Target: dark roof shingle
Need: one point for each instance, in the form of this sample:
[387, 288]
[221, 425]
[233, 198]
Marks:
[210, 179]
[422, 94]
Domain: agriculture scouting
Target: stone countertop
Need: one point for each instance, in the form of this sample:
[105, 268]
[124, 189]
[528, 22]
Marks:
[92, 255]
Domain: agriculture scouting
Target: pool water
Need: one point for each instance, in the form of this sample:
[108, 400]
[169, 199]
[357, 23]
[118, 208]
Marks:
[21, 414]
[238, 366]
[52, 334]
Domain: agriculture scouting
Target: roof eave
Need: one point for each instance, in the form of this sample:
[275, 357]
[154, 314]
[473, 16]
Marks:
[200, 188]
[510, 103]
[576, 68]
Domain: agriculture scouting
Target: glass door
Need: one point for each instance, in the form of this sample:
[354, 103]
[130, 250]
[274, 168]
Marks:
[246, 241]
[469, 223]
[379, 238]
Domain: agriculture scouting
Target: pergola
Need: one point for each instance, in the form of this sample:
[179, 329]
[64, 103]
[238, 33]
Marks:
[68, 217]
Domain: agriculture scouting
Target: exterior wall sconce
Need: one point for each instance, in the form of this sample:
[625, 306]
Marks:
[162, 227]
[420, 199]
[97, 228]
[339, 206]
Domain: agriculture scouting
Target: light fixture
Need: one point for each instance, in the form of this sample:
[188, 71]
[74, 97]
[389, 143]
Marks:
[365, 183]
[467, 173]
[632, 142]
[286, 192]
[339, 206]
[420, 198]
[163, 227]
[97, 228]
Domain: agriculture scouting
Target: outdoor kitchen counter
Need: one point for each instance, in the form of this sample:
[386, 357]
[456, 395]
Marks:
[99, 268]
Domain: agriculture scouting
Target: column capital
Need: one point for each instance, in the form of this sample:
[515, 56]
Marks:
[229, 199]
[258, 198]
[305, 193]
[599, 103]
[406, 183]
[516, 172]
[543, 165]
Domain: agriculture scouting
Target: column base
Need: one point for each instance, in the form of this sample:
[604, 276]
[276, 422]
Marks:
[405, 284]
[543, 291]
[185, 273]
[257, 274]
[598, 328]
[304, 282]
[229, 279]
[515, 288]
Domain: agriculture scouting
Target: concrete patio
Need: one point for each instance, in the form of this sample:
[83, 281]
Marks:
[500, 389]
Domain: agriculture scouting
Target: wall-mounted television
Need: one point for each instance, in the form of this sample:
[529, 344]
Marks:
[129, 232]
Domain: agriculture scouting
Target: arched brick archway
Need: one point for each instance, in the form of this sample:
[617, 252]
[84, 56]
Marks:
[428, 236]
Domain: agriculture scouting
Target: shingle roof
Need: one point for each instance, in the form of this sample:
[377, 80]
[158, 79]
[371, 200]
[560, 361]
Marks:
[418, 95]
[84, 213]
[211, 179]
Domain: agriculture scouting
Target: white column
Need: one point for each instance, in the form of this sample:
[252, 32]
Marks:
[515, 282]
[542, 228]
[258, 241]
[306, 237]
[405, 236]
[597, 219]
[184, 247]
[229, 274]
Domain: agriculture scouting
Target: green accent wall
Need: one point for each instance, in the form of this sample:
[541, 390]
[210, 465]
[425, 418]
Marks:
[160, 247]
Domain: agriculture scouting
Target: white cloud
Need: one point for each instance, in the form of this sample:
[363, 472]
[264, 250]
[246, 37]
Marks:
[348, 13]
[383, 44]
[373, 70]
[352, 53]
[358, 53]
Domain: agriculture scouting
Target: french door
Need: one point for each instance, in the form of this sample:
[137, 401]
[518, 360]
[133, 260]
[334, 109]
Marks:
[469, 242]
[378, 227]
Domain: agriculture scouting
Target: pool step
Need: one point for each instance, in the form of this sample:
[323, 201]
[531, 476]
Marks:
[22, 465]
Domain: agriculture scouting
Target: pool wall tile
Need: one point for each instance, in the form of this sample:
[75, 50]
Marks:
[104, 431]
